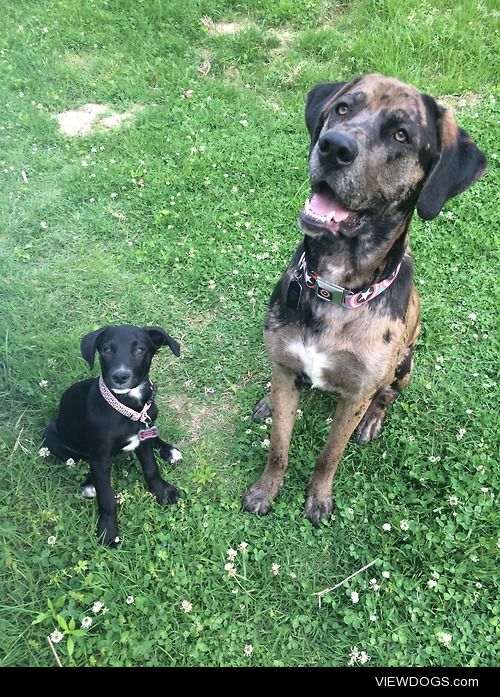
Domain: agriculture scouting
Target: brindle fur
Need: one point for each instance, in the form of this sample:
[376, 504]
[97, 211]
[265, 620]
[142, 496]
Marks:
[365, 354]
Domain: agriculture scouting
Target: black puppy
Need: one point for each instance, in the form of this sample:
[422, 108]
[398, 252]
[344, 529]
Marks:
[101, 416]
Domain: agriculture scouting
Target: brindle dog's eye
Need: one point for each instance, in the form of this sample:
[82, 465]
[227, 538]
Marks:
[341, 109]
[401, 136]
[107, 350]
[139, 350]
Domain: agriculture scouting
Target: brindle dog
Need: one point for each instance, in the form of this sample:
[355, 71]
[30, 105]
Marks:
[379, 149]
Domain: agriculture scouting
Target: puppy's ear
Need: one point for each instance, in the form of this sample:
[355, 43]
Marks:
[88, 345]
[317, 99]
[159, 337]
[457, 165]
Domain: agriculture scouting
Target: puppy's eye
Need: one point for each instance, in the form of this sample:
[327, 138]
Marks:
[107, 350]
[341, 109]
[139, 351]
[401, 136]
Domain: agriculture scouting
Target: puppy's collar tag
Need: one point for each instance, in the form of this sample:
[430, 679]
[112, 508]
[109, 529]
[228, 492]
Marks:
[147, 433]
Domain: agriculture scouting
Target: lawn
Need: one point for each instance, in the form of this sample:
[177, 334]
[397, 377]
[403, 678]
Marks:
[182, 214]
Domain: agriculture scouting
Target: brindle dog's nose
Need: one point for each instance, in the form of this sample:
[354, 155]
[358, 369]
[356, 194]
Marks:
[337, 149]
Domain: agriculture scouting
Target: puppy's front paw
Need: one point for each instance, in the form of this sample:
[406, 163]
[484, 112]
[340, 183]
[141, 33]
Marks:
[107, 532]
[167, 494]
[257, 499]
[318, 508]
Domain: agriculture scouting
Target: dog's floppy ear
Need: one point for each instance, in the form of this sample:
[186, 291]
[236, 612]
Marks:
[159, 337]
[88, 345]
[458, 164]
[317, 99]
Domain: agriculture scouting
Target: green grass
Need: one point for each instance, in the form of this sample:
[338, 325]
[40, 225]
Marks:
[197, 250]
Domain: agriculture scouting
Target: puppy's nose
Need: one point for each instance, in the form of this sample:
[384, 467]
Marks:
[120, 376]
[337, 149]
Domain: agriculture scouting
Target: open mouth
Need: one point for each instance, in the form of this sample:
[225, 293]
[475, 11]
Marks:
[324, 211]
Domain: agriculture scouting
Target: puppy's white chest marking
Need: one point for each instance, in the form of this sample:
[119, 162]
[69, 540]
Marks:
[132, 444]
[313, 362]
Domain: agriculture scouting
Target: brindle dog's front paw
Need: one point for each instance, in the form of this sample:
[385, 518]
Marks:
[262, 410]
[370, 427]
[257, 499]
[318, 509]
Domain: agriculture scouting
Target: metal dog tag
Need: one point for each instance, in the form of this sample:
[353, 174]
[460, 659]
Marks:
[147, 433]
[293, 294]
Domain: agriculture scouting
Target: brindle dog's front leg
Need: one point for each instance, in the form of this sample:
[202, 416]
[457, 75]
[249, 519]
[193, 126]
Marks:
[348, 414]
[284, 401]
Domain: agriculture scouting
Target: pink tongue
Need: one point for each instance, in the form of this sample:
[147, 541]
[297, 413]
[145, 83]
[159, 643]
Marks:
[326, 206]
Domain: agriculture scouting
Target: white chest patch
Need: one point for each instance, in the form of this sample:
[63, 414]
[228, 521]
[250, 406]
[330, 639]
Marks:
[313, 362]
[132, 444]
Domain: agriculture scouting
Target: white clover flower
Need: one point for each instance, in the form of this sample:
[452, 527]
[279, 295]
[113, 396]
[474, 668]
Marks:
[354, 597]
[453, 501]
[248, 431]
[186, 606]
[120, 498]
[433, 458]
[244, 122]
[431, 583]
[385, 574]
[248, 650]
[231, 569]
[51, 540]
[44, 452]
[444, 638]
[363, 657]
[43, 383]
[70, 462]
[44, 225]
[435, 575]
[275, 569]
[242, 546]
[87, 622]
[231, 554]
[97, 607]
[300, 414]
[404, 525]
[472, 316]
[293, 575]
[373, 618]
[386, 527]
[269, 420]
[461, 433]
[484, 489]
[56, 636]
[479, 585]
[265, 443]
[130, 599]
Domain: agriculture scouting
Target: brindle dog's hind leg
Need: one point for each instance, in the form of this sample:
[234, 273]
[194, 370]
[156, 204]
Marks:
[372, 423]
[284, 399]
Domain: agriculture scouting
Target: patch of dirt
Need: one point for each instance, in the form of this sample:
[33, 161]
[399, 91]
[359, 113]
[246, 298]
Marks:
[223, 27]
[89, 117]
[459, 101]
[199, 421]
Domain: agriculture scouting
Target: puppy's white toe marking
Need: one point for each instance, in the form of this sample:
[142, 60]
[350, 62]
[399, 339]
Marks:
[175, 455]
[88, 492]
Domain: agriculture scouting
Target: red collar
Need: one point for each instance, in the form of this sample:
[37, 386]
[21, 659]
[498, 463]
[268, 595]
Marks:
[339, 295]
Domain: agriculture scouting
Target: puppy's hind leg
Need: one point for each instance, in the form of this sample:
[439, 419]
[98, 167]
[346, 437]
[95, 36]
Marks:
[372, 423]
[167, 451]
